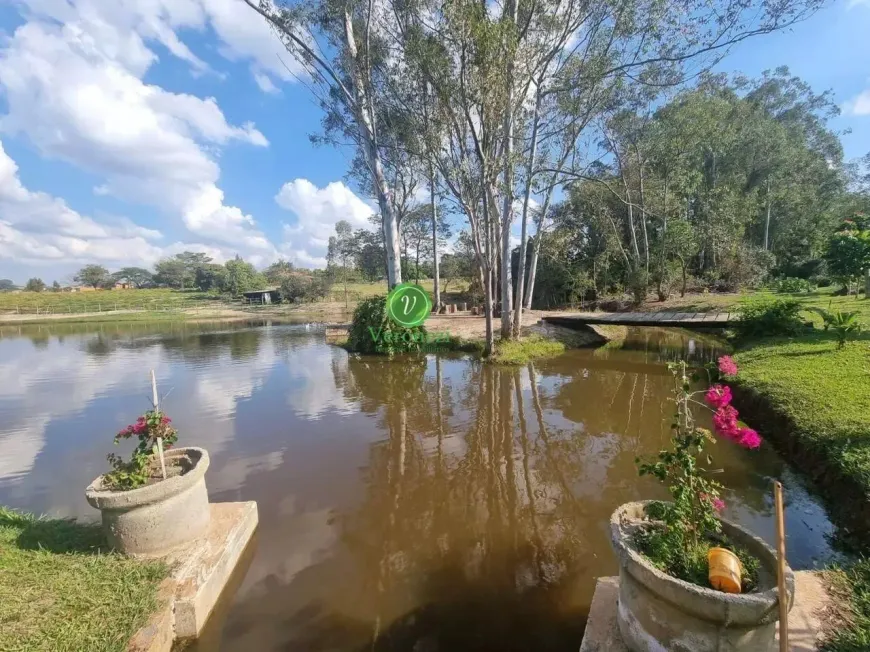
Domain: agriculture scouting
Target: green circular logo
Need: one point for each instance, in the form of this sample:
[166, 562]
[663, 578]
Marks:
[408, 305]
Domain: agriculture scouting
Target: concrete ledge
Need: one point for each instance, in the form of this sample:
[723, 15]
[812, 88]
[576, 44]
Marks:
[200, 572]
[206, 566]
[804, 620]
[157, 635]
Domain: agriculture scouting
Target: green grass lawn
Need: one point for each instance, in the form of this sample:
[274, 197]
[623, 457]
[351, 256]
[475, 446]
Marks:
[853, 584]
[813, 399]
[821, 298]
[518, 352]
[823, 390]
[60, 591]
[162, 299]
[362, 290]
[101, 300]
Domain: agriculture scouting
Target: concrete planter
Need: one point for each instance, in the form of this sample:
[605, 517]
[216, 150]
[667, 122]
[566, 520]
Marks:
[657, 612]
[154, 519]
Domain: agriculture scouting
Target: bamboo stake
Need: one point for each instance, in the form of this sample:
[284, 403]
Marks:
[155, 399]
[780, 568]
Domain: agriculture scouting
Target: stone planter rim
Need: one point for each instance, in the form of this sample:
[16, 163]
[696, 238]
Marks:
[154, 493]
[738, 608]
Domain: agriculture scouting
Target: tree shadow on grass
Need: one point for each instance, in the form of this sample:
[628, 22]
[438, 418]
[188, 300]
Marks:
[62, 536]
[828, 337]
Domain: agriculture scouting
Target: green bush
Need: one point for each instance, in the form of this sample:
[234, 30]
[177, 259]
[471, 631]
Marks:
[372, 331]
[298, 287]
[844, 324]
[768, 318]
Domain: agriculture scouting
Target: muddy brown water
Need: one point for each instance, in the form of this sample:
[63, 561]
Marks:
[419, 505]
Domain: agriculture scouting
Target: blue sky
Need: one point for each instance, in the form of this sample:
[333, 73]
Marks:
[134, 130]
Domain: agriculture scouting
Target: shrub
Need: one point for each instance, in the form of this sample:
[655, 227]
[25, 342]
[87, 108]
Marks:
[767, 318]
[843, 324]
[744, 267]
[298, 287]
[802, 269]
[372, 331]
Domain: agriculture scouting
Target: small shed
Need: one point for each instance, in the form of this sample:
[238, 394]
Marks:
[262, 297]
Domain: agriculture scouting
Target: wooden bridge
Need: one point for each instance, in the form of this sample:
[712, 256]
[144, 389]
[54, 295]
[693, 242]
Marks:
[713, 319]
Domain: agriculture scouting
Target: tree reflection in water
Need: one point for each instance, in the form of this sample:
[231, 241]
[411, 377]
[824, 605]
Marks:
[466, 542]
[477, 517]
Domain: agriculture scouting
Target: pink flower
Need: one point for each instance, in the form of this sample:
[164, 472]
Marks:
[718, 396]
[725, 422]
[165, 420]
[748, 438]
[727, 366]
[718, 504]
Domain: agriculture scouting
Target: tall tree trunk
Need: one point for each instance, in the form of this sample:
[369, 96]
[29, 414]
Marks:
[767, 220]
[530, 167]
[508, 207]
[365, 127]
[487, 279]
[643, 216]
[683, 266]
[434, 204]
[536, 250]
[663, 246]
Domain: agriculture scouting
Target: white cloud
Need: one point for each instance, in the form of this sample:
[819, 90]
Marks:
[76, 91]
[314, 392]
[318, 210]
[858, 105]
[265, 83]
[35, 226]
[244, 35]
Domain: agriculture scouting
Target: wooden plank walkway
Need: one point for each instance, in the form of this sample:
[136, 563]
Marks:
[662, 318]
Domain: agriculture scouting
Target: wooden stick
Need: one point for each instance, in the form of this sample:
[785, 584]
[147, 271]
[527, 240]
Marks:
[156, 400]
[780, 568]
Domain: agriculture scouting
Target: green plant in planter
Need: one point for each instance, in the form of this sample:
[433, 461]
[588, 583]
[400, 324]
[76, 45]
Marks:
[690, 524]
[136, 473]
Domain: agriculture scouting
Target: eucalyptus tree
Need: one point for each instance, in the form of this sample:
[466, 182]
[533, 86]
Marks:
[655, 43]
[342, 51]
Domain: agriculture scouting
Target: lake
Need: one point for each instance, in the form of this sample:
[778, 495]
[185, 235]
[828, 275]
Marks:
[414, 504]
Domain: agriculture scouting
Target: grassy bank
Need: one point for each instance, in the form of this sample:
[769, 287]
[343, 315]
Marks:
[163, 299]
[812, 400]
[820, 298]
[103, 318]
[60, 591]
[853, 585]
[101, 300]
[820, 395]
[518, 352]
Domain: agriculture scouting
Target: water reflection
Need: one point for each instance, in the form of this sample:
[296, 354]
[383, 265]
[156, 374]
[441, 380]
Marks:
[413, 504]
